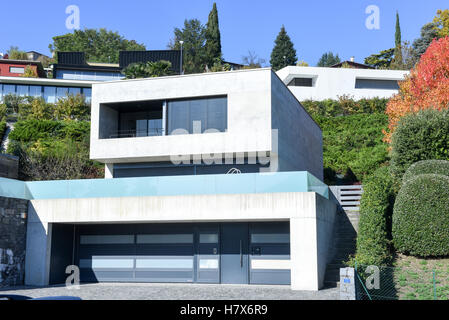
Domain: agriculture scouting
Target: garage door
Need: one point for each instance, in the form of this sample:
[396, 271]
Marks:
[209, 253]
[141, 253]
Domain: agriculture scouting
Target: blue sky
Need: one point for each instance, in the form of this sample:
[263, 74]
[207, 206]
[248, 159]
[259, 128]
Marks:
[314, 26]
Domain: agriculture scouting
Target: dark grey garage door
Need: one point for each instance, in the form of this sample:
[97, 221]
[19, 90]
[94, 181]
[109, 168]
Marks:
[185, 253]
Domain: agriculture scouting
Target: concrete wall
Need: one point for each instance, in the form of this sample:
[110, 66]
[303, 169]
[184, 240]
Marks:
[300, 140]
[330, 83]
[13, 217]
[300, 208]
[249, 116]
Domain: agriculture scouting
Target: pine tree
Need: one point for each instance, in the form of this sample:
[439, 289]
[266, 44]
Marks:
[213, 41]
[283, 54]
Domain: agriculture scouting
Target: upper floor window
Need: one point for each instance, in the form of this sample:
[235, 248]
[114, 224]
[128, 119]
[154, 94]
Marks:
[301, 82]
[20, 70]
[197, 115]
[376, 84]
[163, 117]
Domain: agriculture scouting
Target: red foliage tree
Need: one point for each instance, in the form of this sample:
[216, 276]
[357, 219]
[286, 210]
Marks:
[426, 87]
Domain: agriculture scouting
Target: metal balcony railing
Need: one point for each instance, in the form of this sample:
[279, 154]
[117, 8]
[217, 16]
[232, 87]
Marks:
[137, 133]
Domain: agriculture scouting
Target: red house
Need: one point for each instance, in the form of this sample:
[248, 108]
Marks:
[16, 68]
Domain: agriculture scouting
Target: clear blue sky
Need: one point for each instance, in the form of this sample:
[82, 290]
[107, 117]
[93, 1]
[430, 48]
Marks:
[314, 26]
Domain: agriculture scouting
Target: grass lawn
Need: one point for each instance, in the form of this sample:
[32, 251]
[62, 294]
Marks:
[413, 278]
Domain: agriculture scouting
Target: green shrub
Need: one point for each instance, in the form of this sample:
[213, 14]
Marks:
[421, 216]
[376, 206]
[33, 130]
[425, 167]
[353, 146]
[419, 136]
[344, 106]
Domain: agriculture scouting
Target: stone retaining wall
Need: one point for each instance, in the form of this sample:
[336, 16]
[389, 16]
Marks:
[13, 226]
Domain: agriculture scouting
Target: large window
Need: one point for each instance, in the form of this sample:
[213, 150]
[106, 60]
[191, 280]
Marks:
[88, 75]
[50, 93]
[301, 82]
[376, 84]
[197, 115]
[20, 70]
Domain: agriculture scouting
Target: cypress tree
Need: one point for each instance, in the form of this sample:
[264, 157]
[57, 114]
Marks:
[397, 35]
[283, 54]
[213, 39]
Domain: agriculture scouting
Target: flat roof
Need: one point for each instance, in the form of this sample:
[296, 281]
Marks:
[46, 81]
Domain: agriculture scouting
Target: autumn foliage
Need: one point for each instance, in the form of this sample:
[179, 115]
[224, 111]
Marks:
[426, 87]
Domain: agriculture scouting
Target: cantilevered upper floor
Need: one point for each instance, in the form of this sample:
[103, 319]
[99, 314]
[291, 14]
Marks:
[227, 118]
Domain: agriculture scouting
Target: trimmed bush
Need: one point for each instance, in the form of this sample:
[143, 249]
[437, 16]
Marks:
[2, 129]
[425, 167]
[419, 136]
[376, 206]
[421, 216]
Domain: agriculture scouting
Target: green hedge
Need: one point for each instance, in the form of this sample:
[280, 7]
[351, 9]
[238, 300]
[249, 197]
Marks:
[420, 136]
[421, 216]
[353, 146]
[425, 167]
[344, 106]
[376, 206]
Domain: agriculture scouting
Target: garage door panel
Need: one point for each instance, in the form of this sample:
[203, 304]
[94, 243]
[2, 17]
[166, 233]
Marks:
[270, 253]
[165, 250]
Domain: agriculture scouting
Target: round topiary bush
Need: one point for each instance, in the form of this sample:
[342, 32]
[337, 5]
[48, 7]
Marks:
[421, 216]
[426, 167]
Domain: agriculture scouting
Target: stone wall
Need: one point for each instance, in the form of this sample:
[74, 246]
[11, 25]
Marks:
[13, 226]
[9, 166]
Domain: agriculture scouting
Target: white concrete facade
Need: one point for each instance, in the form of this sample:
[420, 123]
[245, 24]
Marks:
[331, 83]
[257, 102]
[311, 219]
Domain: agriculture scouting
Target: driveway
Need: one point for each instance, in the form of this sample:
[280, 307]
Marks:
[152, 291]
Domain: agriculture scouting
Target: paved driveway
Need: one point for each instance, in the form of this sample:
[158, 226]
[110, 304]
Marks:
[152, 291]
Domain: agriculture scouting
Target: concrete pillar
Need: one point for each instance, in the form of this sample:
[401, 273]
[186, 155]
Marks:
[109, 171]
[304, 251]
[38, 250]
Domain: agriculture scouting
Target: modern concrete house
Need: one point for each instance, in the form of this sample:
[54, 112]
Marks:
[211, 178]
[316, 83]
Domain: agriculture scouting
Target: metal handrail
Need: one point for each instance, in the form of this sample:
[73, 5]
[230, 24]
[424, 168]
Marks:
[136, 133]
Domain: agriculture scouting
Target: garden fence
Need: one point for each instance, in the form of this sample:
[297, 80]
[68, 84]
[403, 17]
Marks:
[401, 283]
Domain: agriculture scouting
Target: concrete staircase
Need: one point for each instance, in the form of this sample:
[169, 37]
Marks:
[344, 245]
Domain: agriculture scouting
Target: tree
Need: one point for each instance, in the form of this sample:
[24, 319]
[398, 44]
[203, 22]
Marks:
[328, 59]
[426, 87]
[147, 69]
[428, 33]
[406, 59]
[15, 54]
[99, 45]
[72, 107]
[29, 72]
[284, 53]
[194, 36]
[381, 60]
[302, 63]
[397, 35]
[213, 41]
[442, 23]
[398, 59]
[252, 61]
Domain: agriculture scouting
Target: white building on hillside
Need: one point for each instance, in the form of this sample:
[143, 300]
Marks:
[315, 83]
